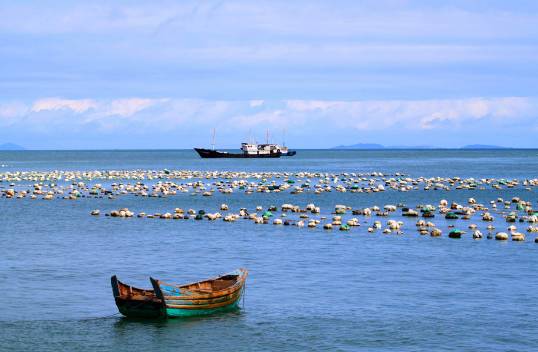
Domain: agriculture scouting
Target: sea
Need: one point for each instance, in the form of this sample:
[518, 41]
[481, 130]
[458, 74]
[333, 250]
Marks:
[307, 290]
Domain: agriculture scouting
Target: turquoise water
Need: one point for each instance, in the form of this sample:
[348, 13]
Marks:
[308, 289]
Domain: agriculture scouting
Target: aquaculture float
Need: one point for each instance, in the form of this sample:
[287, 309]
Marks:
[136, 302]
[210, 296]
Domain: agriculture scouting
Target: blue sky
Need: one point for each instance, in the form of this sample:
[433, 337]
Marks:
[161, 74]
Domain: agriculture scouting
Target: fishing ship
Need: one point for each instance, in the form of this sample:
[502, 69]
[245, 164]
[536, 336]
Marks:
[248, 150]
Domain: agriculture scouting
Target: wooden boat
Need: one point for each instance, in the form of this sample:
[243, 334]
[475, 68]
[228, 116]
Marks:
[136, 302]
[210, 296]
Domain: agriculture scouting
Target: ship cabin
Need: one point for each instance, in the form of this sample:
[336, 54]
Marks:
[249, 148]
[263, 149]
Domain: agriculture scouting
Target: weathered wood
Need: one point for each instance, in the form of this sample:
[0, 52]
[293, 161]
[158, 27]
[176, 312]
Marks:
[206, 306]
[186, 295]
[190, 302]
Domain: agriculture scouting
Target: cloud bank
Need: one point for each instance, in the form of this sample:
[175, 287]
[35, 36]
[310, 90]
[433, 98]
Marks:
[305, 120]
[134, 74]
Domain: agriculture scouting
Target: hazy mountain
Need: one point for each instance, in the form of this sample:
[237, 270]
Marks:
[361, 146]
[482, 146]
[380, 146]
[11, 146]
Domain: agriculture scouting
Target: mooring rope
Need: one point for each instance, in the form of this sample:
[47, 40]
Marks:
[244, 294]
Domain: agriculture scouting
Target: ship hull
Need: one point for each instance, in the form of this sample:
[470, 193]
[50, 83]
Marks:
[209, 153]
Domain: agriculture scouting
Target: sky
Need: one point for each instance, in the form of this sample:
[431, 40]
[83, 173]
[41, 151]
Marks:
[163, 74]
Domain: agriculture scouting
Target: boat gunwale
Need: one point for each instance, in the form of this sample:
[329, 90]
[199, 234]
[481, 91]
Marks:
[230, 290]
[116, 284]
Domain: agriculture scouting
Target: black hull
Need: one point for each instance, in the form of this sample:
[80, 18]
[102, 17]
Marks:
[140, 309]
[209, 153]
[137, 305]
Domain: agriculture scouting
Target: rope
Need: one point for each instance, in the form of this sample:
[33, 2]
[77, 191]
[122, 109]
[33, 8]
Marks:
[244, 294]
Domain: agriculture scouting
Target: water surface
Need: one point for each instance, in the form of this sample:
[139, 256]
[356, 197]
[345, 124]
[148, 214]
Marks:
[307, 289]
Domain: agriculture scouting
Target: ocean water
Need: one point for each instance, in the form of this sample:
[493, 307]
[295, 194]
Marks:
[308, 289]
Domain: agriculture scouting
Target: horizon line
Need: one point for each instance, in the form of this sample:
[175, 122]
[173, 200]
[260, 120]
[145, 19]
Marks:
[330, 148]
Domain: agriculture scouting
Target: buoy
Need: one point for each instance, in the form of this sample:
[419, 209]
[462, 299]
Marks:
[518, 236]
[436, 232]
[477, 235]
[501, 236]
[455, 233]
[451, 216]
[277, 222]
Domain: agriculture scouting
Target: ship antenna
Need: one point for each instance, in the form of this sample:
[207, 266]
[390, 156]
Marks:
[267, 136]
[213, 140]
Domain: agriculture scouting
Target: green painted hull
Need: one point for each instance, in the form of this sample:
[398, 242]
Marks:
[177, 313]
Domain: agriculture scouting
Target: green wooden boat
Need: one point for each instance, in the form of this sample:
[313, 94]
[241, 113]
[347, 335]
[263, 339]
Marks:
[206, 297]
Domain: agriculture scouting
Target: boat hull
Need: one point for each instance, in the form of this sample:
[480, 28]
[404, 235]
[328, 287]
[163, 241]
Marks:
[135, 302]
[179, 312]
[140, 309]
[215, 154]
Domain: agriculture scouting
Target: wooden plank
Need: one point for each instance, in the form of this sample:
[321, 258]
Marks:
[207, 306]
[210, 296]
[205, 301]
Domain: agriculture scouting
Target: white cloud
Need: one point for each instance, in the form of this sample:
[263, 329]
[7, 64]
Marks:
[168, 114]
[129, 107]
[415, 114]
[77, 106]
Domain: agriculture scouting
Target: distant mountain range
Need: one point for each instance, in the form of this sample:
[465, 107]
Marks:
[483, 146]
[11, 146]
[363, 146]
[374, 146]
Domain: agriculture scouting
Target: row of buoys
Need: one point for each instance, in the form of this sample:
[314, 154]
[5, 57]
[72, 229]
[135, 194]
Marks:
[206, 183]
[455, 211]
[424, 226]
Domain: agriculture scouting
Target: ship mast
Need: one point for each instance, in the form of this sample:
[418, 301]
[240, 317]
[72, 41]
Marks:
[267, 136]
[213, 140]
